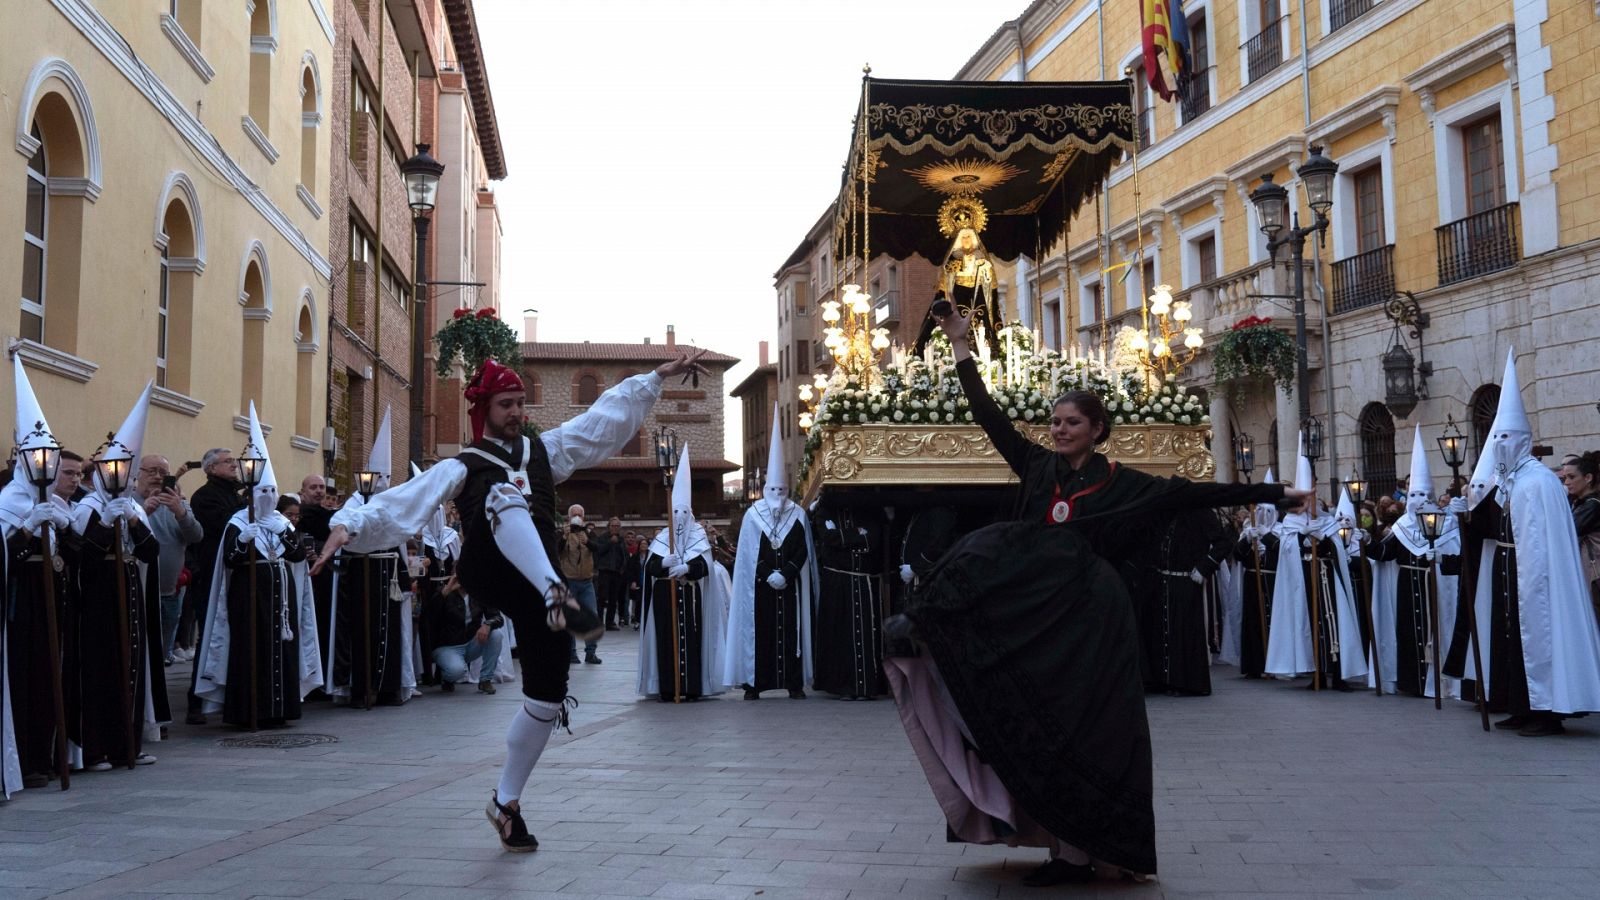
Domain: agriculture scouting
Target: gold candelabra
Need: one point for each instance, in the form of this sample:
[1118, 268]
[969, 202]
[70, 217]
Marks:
[854, 344]
[1167, 342]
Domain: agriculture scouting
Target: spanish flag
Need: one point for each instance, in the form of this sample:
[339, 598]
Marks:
[1166, 33]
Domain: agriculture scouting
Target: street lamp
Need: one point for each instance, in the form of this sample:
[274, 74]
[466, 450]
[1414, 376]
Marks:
[1453, 445]
[366, 484]
[1356, 487]
[252, 466]
[666, 453]
[421, 173]
[1244, 455]
[1317, 174]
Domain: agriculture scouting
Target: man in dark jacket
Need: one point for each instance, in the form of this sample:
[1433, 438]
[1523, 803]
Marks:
[463, 630]
[213, 503]
[610, 557]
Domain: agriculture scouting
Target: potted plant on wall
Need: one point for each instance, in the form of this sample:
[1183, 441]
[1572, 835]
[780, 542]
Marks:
[1253, 350]
[471, 337]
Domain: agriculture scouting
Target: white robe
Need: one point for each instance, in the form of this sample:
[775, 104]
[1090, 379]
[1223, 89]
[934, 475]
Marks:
[10, 757]
[211, 686]
[1289, 646]
[714, 596]
[739, 657]
[1230, 582]
[1560, 642]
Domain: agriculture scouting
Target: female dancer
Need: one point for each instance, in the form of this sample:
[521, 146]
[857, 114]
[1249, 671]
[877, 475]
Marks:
[1027, 710]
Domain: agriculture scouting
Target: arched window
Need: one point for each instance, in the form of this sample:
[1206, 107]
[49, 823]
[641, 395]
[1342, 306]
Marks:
[305, 340]
[1485, 402]
[534, 389]
[1377, 449]
[253, 296]
[34, 231]
[56, 132]
[585, 387]
[310, 120]
[181, 265]
[1272, 448]
[263, 45]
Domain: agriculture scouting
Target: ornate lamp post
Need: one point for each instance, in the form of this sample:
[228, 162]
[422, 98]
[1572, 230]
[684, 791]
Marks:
[1317, 174]
[366, 484]
[421, 173]
[113, 474]
[1453, 446]
[1311, 426]
[252, 466]
[1432, 518]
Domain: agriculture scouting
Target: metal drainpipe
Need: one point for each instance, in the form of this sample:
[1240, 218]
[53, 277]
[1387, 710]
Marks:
[377, 228]
[1305, 65]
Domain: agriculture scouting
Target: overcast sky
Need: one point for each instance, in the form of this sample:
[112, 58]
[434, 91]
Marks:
[666, 156]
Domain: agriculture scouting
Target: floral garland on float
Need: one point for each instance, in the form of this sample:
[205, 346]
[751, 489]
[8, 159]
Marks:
[1024, 381]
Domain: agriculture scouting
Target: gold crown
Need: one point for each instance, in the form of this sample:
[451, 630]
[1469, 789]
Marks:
[962, 212]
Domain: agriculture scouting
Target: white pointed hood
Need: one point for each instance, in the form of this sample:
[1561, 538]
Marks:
[1302, 466]
[682, 487]
[127, 443]
[32, 430]
[1419, 488]
[687, 537]
[1512, 434]
[1482, 480]
[269, 478]
[1346, 510]
[1271, 478]
[379, 458]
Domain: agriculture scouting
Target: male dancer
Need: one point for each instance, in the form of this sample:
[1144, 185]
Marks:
[504, 488]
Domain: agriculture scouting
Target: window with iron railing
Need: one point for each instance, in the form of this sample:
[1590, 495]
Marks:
[1366, 279]
[1264, 52]
[1478, 244]
[1377, 450]
[1343, 12]
[1197, 93]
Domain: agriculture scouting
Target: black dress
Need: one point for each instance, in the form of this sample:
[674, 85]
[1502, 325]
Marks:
[277, 631]
[28, 657]
[367, 648]
[1032, 630]
[1508, 678]
[849, 628]
[1171, 607]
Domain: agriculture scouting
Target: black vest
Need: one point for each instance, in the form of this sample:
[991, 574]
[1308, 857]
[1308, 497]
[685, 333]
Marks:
[483, 570]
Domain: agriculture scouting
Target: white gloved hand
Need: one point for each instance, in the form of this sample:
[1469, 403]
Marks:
[1358, 536]
[121, 508]
[1196, 577]
[672, 560]
[504, 498]
[274, 522]
[1261, 548]
[679, 571]
[1457, 505]
[777, 582]
[38, 515]
[906, 575]
[1430, 554]
[62, 517]
[249, 532]
[1248, 533]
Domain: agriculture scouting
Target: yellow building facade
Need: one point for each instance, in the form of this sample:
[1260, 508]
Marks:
[1468, 180]
[164, 215]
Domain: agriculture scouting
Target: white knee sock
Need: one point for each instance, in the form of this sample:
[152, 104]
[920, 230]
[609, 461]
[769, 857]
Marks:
[525, 741]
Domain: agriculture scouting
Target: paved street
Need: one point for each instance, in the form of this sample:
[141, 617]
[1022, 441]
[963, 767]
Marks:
[1262, 790]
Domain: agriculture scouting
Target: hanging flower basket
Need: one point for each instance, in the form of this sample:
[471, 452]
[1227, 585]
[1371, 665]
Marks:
[1253, 350]
[470, 337]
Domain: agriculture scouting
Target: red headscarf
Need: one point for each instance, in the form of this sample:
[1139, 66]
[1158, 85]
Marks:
[492, 379]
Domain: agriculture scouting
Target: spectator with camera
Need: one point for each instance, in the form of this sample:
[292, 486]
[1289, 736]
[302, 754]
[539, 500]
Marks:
[577, 569]
[175, 527]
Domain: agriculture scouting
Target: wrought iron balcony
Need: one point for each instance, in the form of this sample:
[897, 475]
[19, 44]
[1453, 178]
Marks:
[1264, 52]
[1478, 244]
[1196, 95]
[1343, 12]
[886, 310]
[1366, 279]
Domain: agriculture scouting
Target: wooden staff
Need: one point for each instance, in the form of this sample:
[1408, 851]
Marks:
[1477, 660]
[126, 652]
[1316, 617]
[1433, 616]
[672, 612]
[254, 636]
[53, 635]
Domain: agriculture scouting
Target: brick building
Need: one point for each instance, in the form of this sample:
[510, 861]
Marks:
[374, 128]
[562, 379]
[756, 394]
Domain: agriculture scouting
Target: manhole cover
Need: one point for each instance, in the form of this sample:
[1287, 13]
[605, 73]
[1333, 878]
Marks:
[278, 741]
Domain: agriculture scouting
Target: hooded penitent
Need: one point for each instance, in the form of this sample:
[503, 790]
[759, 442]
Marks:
[32, 432]
[126, 444]
[1560, 643]
[687, 538]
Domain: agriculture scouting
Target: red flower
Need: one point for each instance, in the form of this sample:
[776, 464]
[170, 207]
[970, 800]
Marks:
[1250, 322]
[486, 312]
[460, 313]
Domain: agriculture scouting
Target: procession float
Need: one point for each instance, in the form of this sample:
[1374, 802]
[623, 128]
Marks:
[967, 174]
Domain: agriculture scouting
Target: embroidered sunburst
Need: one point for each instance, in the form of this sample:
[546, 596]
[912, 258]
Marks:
[961, 177]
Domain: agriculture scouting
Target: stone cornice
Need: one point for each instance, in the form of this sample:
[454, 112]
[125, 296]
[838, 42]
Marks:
[1377, 105]
[1497, 45]
[1284, 152]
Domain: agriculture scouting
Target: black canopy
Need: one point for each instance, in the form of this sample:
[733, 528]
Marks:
[1032, 152]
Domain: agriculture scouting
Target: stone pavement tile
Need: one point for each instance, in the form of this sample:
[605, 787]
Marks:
[679, 891]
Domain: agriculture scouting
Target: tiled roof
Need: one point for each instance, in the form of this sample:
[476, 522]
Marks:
[464, 33]
[585, 351]
[753, 378]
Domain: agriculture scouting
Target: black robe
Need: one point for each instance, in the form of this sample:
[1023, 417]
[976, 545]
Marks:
[1033, 632]
[1170, 606]
[97, 680]
[779, 660]
[1508, 679]
[367, 655]
[1260, 573]
[688, 623]
[1413, 627]
[848, 647]
[277, 657]
[27, 645]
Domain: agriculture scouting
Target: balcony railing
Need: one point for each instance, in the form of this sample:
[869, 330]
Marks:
[1196, 96]
[1366, 279]
[1478, 244]
[886, 310]
[1343, 12]
[1264, 52]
